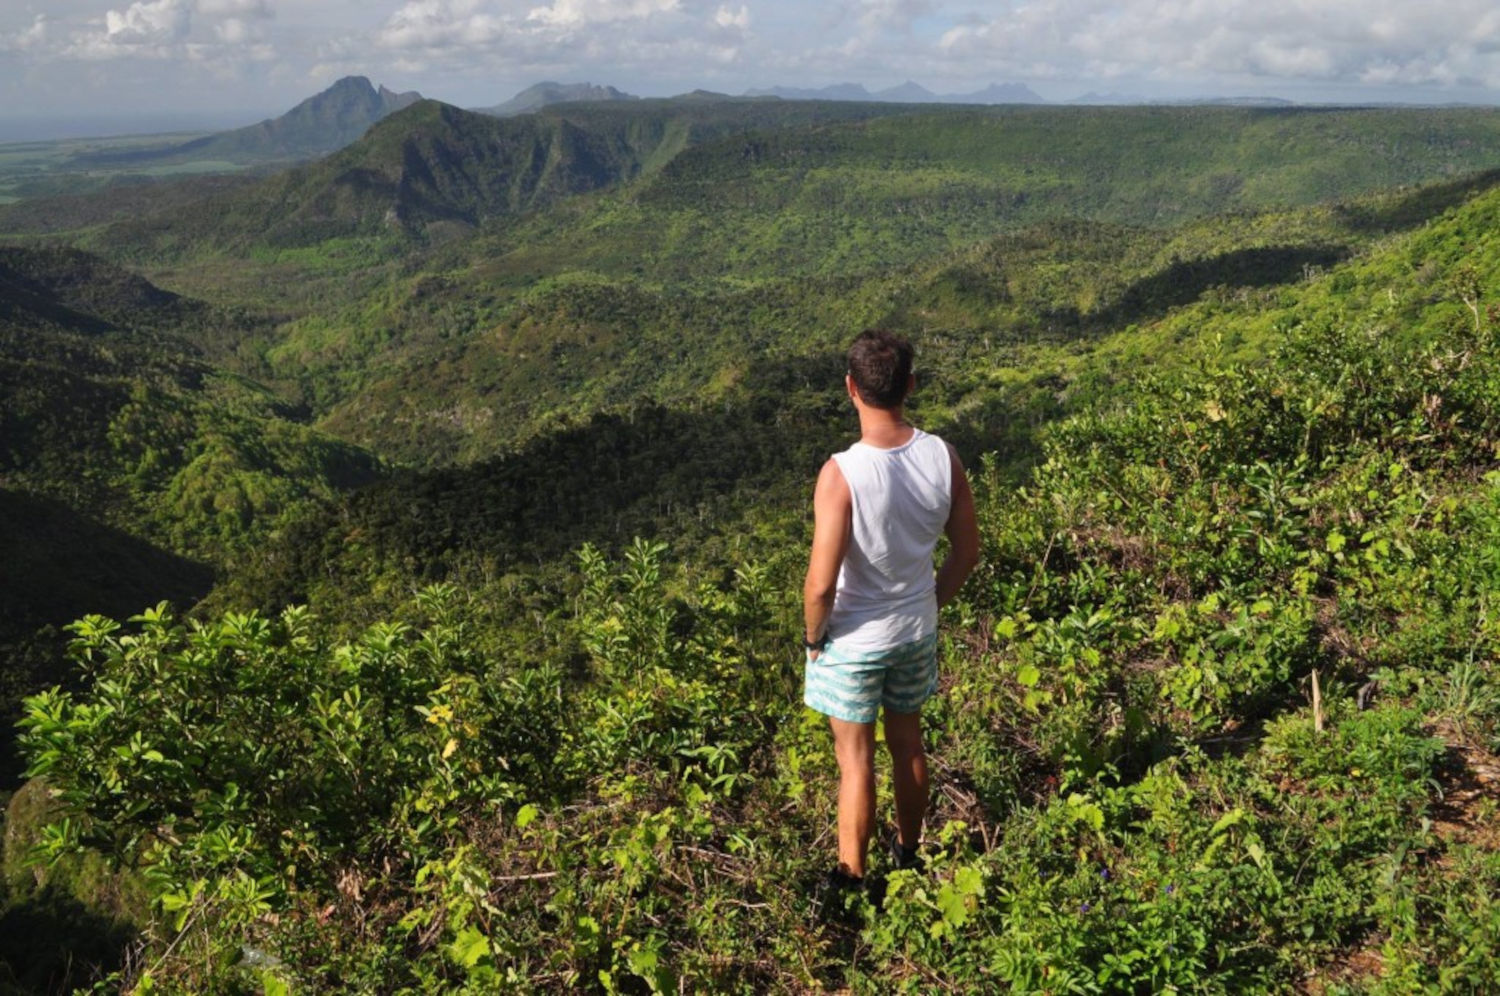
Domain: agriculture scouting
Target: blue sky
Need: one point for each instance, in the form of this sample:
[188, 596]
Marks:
[233, 61]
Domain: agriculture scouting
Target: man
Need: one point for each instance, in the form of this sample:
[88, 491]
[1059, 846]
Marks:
[871, 599]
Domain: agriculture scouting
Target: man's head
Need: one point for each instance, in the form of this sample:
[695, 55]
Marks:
[880, 366]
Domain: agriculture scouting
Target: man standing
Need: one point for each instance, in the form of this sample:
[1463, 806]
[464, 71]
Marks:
[871, 599]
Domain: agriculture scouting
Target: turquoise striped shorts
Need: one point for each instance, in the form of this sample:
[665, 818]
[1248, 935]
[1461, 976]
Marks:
[853, 686]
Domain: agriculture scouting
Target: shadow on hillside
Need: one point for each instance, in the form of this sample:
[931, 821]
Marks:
[57, 565]
[1185, 281]
[643, 469]
[52, 943]
[1417, 207]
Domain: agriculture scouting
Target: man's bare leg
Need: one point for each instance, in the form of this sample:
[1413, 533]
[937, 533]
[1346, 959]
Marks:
[903, 735]
[854, 746]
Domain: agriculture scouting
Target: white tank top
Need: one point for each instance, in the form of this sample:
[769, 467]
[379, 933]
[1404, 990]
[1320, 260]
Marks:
[887, 592]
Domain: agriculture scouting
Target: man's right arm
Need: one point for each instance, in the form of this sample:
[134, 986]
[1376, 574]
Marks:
[962, 530]
[833, 509]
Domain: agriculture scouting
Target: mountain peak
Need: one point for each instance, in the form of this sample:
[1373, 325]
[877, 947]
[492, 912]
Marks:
[539, 95]
[907, 93]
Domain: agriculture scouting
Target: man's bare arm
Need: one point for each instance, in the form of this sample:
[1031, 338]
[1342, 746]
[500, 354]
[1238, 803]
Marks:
[962, 530]
[833, 516]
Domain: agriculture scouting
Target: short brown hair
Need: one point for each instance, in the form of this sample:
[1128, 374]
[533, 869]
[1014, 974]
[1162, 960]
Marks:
[880, 363]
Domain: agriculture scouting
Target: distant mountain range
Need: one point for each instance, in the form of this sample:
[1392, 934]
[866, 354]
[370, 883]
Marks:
[323, 123]
[541, 95]
[545, 94]
[331, 120]
[907, 93]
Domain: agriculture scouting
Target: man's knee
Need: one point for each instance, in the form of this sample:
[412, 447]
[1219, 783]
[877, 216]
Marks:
[854, 744]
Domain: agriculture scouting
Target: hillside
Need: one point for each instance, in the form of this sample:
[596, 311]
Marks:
[435, 170]
[130, 468]
[916, 179]
[665, 287]
[536, 267]
[522, 712]
[1218, 708]
[111, 407]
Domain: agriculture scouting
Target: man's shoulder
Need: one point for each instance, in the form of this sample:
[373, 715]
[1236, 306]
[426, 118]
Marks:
[831, 478]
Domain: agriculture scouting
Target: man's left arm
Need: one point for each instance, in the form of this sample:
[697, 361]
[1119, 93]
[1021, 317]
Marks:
[962, 530]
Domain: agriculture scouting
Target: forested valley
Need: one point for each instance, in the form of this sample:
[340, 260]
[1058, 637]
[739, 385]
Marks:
[401, 587]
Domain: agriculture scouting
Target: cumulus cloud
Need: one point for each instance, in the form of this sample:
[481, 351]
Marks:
[33, 37]
[1332, 41]
[151, 22]
[193, 30]
[440, 24]
[237, 8]
[554, 38]
[582, 13]
[887, 15]
[725, 17]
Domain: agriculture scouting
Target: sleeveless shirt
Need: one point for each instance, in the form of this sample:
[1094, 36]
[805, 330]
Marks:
[887, 592]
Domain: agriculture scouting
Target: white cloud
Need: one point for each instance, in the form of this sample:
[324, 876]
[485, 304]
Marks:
[724, 17]
[887, 15]
[195, 31]
[34, 37]
[482, 36]
[1330, 41]
[237, 8]
[585, 13]
[149, 22]
[233, 31]
[440, 24]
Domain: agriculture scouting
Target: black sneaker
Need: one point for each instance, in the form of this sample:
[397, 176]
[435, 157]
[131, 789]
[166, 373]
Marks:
[905, 858]
[837, 896]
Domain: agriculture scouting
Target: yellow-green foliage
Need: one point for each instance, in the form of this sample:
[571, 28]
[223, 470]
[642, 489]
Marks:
[599, 776]
[1218, 464]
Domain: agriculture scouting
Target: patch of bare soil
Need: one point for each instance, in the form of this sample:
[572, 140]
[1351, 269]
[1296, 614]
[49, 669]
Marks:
[1469, 793]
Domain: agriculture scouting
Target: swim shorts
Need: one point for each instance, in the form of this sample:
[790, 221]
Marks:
[853, 686]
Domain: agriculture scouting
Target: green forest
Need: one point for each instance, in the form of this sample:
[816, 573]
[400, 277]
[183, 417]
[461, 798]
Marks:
[401, 576]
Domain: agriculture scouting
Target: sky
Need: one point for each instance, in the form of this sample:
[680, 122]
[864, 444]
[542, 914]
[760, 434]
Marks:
[216, 63]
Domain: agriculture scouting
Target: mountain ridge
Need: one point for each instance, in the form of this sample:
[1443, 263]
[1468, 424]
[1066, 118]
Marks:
[318, 125]
[435, 164]
[546, 93]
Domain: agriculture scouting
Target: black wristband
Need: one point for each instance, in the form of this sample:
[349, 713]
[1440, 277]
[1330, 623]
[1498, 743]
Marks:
[817, 644]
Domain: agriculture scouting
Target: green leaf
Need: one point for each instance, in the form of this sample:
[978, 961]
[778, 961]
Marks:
[1028, 675]
[525, 815]
[969, 881]
[469, 948]
[1256, 852]
[1228, 820]
[954, 905]
[1084, 811]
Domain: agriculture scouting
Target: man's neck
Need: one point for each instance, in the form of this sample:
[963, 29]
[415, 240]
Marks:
[884, 428]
